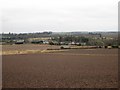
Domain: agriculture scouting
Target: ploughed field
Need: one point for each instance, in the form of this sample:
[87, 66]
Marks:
[74, 68]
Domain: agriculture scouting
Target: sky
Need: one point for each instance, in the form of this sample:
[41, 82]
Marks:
[21, 16]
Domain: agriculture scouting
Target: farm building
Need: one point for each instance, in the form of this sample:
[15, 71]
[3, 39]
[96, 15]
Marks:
[65, 47]
[19, 41]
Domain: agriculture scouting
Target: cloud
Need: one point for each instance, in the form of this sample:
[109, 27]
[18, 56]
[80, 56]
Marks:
[58, 15]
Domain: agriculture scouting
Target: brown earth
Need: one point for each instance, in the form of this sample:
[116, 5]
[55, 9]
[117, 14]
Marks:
[81, 68]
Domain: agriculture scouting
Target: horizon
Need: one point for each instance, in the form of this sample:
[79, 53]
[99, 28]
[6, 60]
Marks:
[53, 32]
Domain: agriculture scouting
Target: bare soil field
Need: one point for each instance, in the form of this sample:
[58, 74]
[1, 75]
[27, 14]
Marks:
[75, 68]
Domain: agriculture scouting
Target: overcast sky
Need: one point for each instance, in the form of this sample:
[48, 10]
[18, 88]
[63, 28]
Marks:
[58, 15]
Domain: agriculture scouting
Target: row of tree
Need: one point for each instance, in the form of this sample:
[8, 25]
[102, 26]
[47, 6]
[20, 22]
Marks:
[88, 41]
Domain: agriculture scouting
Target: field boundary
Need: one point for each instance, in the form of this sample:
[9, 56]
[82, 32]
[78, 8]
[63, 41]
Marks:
[13, 52]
